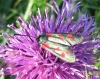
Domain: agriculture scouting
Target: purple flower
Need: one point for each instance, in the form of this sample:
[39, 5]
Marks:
[27, 60]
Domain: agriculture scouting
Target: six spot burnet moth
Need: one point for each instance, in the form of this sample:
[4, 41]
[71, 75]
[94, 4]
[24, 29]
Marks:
[59, 44]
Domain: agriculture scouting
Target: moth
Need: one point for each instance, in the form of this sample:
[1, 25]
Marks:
[59, 44]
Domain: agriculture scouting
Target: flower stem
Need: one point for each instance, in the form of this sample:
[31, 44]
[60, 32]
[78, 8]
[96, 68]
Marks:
[31, 2]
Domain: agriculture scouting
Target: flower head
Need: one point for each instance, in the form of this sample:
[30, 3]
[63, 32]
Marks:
[27, 60]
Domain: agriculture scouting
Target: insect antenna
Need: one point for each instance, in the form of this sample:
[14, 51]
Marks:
[25, 35]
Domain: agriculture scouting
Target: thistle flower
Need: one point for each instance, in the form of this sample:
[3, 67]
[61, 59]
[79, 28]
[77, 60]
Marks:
[27, 60]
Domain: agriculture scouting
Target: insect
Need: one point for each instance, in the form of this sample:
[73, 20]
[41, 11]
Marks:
[59, 44]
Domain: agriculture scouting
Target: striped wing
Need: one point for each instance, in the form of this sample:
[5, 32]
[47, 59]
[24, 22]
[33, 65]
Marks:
[64, 38]
[62, 51]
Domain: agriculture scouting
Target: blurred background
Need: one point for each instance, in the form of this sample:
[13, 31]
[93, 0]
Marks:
[10, 10]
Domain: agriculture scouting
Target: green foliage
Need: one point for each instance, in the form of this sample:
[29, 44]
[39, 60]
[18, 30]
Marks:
[11, 9]
[93, 9]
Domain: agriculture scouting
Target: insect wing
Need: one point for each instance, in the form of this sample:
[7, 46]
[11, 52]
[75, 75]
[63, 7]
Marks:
[59, 44]
[62, 51]
[55, 38]
[65, 38]
[73, 38]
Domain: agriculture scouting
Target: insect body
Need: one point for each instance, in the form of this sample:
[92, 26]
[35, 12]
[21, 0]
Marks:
[59, 44]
